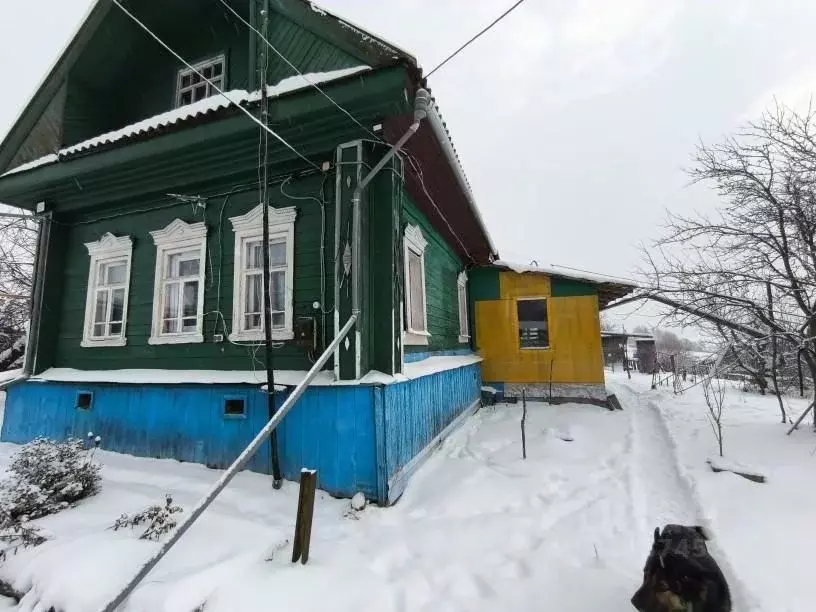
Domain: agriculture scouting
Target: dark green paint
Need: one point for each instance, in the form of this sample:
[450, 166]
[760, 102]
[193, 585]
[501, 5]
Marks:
[483, 284]
[223, 148]
[385, 257]
[64, 310]
[442, 268]
[565, 287]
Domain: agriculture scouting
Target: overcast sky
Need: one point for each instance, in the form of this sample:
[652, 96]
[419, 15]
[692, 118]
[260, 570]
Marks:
[574, 120]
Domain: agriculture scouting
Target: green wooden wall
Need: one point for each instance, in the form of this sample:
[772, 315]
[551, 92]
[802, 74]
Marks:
[65, 310]
[123, 76]
[442, 268]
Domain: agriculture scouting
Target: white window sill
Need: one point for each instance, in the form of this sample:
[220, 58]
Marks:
[464, 339]
[535, 348]
[258, 336]
[413, 338]
[87, 343]
[177, 339]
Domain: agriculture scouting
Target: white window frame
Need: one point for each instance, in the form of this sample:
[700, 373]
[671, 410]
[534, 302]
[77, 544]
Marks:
[414, 242]
[249, 228]
[178, 237]
[462, 303]
[107, 249]
[199, 67]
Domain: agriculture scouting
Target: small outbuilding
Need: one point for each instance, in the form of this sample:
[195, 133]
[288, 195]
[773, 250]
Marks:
[538, 330]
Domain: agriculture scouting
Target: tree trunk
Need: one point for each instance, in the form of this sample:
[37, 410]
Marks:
[774, 355]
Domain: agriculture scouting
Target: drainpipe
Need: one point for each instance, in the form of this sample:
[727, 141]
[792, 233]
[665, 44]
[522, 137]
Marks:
[422, 103]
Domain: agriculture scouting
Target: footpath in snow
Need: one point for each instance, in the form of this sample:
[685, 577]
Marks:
[477, 529]
[762, 530]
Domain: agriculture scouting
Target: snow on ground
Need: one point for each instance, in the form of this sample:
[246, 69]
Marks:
[762, 529]
[477, 529]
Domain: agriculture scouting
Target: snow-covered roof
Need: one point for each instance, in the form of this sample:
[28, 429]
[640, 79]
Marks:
[552, 270]
[209, 105]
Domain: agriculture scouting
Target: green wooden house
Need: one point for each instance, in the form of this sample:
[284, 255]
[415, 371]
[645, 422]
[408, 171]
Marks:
[148, 153]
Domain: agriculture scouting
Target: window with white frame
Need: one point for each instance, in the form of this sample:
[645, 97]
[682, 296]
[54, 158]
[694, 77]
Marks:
[247, 310]
[461, 292]
[416, 318]
[178, 290]
[107, 296]
[192, 84]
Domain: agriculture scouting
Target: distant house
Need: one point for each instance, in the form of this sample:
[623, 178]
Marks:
[633, 351]
[148, 318]
[538, 330]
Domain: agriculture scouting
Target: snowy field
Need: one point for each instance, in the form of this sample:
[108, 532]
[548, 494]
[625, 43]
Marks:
[477, 529]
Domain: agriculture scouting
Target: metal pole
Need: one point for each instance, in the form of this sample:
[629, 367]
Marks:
[277, 477]
[800, 419]
[232, 470]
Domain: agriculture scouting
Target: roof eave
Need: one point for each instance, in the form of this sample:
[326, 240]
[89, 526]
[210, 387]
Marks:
[38, 103]
[443, 136]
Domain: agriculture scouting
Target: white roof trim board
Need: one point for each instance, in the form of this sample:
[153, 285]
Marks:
[190, 111]
[563, 273]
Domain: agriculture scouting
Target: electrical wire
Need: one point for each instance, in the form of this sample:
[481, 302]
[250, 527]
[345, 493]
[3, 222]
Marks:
[295, 68]
[472, 40]
[214, 86]
[377, 139]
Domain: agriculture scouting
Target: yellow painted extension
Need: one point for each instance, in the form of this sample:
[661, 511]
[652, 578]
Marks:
[574, 334]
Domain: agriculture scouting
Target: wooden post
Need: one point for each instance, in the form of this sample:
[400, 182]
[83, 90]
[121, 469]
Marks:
[523, 423]
[305, 514]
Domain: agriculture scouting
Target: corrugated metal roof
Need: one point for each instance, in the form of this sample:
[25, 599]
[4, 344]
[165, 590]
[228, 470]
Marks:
[209, 106]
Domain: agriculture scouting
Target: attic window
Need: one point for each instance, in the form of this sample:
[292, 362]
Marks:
[192, 84]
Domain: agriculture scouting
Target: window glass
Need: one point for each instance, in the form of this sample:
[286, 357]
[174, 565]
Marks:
[415, 286]
[203, 82]
[533, 327]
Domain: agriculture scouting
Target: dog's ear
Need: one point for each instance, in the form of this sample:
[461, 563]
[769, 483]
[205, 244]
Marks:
[701, 530]
[657, 534]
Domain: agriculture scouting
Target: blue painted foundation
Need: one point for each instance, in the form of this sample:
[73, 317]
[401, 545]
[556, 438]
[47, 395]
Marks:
[358, 438]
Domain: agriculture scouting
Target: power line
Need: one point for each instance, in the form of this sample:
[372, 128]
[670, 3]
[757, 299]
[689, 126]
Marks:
[215, 87]
[463, 47]
[412, 160]
[293, 67]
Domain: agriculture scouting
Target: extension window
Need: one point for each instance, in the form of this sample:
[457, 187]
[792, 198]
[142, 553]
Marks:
[533, 325]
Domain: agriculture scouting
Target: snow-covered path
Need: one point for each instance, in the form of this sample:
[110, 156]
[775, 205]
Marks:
[478, 528]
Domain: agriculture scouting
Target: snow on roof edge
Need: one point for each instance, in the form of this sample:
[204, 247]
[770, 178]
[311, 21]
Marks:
[553, 270]
[191, 111]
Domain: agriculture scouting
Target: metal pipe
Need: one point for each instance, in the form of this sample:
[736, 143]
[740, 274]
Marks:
[422, 102]
[232, 470]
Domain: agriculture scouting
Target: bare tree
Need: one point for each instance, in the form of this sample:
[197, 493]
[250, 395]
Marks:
[17, 246]
[714, 393]
[763, 236]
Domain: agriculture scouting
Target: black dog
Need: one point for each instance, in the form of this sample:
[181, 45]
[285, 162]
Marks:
[681, 576]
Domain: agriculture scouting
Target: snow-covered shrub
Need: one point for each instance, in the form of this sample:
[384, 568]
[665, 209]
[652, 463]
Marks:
[46, 476]
[159, 520]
